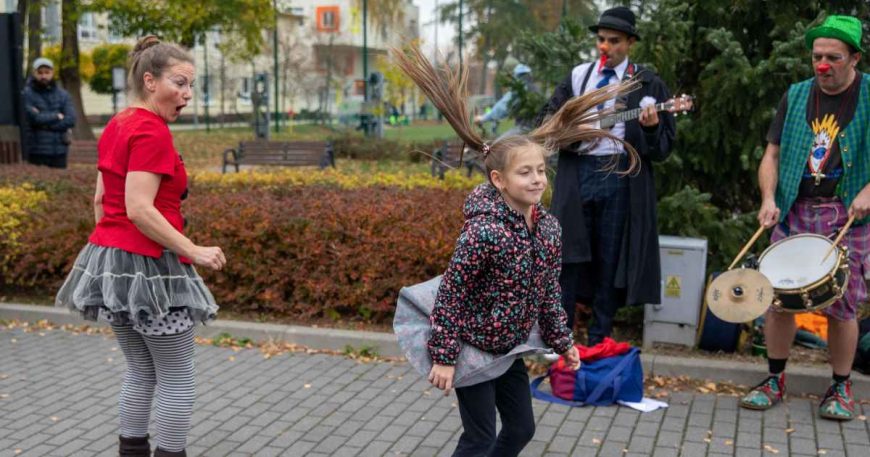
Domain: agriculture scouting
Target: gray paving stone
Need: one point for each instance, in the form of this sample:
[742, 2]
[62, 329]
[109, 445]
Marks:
[254, 406]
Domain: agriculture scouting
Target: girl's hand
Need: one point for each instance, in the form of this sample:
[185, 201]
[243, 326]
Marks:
[572, 358]
[441, 377]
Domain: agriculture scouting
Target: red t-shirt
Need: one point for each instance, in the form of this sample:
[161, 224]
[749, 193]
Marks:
[137, 140]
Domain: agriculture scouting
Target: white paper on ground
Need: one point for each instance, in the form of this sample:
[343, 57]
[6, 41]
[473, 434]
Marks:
[645, 405]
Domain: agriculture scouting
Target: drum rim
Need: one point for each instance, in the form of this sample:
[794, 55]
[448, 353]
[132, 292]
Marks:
[814, 284]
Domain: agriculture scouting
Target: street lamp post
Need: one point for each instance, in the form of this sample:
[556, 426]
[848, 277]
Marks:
[275, 62]
[365, 56]
[119, 83]
[205, 90]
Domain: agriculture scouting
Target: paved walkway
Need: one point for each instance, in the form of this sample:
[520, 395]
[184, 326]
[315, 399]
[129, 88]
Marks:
[58, 393]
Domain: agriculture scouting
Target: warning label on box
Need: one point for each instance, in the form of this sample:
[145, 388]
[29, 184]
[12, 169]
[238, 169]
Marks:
[673, 286]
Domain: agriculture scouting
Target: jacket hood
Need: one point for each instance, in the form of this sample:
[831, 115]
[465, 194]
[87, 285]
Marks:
[485, 200]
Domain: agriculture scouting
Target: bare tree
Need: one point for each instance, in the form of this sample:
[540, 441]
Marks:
[295, 66]
[69, 66]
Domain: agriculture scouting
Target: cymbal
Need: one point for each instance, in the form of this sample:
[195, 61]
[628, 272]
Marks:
[739, 295]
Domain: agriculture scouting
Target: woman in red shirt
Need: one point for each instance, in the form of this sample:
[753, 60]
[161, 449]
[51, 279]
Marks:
[137, 271]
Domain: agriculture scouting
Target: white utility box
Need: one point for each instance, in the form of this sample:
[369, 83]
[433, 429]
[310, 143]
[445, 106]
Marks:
[675, 320]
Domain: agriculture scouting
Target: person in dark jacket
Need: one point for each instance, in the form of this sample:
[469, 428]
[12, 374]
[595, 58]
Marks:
[50, 114]
[610, 250]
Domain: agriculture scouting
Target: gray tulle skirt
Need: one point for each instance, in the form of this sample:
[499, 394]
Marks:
[126, 288]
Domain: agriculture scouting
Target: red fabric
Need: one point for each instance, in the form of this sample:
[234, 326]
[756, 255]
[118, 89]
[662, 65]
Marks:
[606, 348]
[137, 140]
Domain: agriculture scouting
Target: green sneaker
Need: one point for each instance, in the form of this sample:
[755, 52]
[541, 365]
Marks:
[765, 395]
[838, 403]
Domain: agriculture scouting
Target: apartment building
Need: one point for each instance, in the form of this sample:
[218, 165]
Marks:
[320, 56]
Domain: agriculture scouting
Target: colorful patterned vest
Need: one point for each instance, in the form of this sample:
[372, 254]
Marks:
[797, 138]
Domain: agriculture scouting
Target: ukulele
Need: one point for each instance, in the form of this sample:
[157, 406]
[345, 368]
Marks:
[682, 104]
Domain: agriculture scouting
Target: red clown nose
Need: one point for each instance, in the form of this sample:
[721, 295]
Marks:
[823, 68]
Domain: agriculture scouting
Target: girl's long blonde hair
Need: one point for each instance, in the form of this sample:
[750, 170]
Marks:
[448, 91]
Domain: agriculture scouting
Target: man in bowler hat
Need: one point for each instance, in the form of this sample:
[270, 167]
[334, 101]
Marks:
[610, 253]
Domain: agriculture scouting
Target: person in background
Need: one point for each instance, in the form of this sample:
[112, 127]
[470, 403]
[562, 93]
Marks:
[50, 115]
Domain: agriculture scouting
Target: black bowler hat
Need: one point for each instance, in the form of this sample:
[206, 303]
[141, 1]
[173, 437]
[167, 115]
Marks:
[620, 19]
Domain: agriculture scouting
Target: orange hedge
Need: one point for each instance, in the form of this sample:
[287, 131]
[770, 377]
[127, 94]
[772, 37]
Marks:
[303, 251]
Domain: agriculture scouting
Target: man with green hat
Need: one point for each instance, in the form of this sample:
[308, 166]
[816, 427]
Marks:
[814, 177]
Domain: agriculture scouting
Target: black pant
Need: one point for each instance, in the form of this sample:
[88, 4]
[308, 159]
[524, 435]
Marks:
[605, 210]
[52, 161]
[510, 394]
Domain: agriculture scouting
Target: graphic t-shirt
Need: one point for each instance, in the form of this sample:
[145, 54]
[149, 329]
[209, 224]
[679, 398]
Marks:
[827, 115]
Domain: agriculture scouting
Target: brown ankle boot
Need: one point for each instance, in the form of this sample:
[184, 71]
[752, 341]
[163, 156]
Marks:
[134, 447]
[161, 453]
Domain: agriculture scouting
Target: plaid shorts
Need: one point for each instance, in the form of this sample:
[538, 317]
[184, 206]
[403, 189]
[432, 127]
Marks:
[825, 216]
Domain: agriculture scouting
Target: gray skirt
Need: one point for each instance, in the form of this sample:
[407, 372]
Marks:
[412, 328]
[113, 285]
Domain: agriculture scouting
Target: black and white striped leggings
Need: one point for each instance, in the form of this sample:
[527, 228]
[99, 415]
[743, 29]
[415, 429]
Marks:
[165, 362]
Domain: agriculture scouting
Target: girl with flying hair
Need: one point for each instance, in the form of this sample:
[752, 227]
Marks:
[503, 277]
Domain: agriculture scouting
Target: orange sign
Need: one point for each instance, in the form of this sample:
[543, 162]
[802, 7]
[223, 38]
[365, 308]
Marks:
[327, 18]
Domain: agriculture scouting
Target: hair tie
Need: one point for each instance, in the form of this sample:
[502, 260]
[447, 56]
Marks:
[485, 149]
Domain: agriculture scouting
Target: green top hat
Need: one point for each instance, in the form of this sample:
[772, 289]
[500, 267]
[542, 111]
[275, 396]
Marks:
[844, 28]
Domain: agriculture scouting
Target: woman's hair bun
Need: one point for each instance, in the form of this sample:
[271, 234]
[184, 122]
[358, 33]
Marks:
[145, 43]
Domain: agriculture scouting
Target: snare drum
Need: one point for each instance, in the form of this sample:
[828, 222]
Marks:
[801, 281]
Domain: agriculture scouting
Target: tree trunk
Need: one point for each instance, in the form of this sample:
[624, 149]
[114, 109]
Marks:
[69, 67]
[484, 52]
[34, 33]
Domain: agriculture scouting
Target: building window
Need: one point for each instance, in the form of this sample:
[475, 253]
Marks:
[327, 18]
[114, 35]
[87, 27]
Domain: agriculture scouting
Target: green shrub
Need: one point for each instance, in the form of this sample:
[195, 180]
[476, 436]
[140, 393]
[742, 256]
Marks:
[689, 212]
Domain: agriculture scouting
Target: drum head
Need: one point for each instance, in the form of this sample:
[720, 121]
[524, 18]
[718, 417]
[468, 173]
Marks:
[796, 262]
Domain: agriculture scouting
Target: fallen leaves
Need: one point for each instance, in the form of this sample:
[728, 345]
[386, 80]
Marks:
[659, 386]
[269, 349]
[771, 449]
[42, 326]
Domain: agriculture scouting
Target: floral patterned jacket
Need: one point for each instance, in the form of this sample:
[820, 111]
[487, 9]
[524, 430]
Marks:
[501, 280]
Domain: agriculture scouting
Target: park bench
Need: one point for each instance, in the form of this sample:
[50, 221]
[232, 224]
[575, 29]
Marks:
[83, 152]
[447, 156]
[280, 153]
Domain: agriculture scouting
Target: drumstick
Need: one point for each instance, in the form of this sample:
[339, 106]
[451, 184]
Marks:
[839, 237]
[748, 245]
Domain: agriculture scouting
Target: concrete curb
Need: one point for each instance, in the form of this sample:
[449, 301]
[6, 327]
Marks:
[801, 379]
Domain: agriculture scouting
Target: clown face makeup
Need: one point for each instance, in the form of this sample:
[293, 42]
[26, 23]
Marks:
[833, 65]
[613, 46]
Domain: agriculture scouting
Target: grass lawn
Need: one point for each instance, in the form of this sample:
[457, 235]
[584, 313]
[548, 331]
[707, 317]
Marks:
[204, 150]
